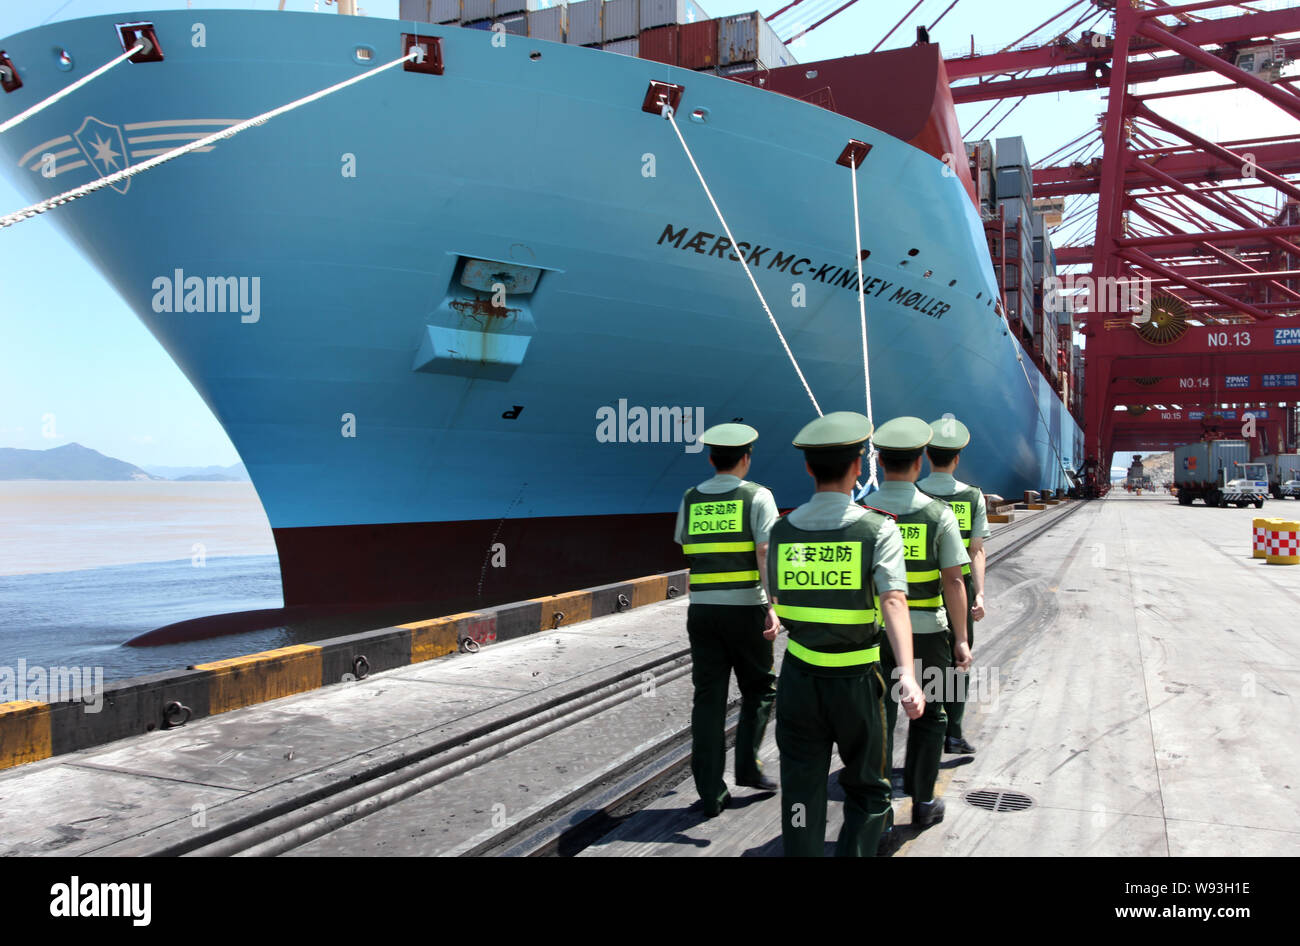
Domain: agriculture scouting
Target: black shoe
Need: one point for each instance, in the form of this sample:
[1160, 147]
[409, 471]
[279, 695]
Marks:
[925, 814]
[958, 746]
[713, 811]
[890, 842]
[761, 782]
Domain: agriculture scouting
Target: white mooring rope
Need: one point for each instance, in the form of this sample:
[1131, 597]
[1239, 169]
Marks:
[68, 90]
[108, 180]
[862, 315]
[667, 113]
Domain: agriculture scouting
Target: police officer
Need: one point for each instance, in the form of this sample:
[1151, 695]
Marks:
[830, 558]
[967, 502]
[934, 555]
[722, 526]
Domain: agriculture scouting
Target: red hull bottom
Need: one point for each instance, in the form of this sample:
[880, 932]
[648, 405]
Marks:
[341, 579]
[470, 564]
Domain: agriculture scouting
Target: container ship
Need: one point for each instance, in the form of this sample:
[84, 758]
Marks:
[465, 320]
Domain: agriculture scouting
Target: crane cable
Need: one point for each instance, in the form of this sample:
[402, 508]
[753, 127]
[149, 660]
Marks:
[1005, 115]
[901, 21]
[942, 15]
[108, 180]
[830, 16]
[68, 90]
[667, 112]
[807, 14]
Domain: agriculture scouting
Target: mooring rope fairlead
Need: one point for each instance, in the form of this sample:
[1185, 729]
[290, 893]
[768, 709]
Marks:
[68, 90]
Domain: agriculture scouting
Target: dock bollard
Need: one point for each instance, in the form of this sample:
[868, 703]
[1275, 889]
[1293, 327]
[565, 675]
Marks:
[1283, 542]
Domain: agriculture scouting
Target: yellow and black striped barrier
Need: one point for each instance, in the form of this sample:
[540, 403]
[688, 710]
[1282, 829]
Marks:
[31, 730]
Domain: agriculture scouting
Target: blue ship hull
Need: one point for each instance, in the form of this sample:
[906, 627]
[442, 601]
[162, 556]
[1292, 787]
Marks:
[396, 427]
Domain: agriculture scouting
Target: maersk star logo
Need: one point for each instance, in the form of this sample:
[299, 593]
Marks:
[104, 148]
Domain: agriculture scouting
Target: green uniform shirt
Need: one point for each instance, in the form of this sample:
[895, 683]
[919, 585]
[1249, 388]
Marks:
[762, 516]
[831, 510]
[946, 484]
[900, 497]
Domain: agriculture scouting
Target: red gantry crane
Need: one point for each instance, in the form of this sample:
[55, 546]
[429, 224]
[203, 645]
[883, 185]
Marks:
[1205, 233]
[1192, 284]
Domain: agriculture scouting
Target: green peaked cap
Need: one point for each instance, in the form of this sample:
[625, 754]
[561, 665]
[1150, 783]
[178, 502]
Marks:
[902, 433]
[949, 434]
[729, 435]
[839, 429]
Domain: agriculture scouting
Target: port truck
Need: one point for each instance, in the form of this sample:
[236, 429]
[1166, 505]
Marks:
[1219, 472]
[1283, 474]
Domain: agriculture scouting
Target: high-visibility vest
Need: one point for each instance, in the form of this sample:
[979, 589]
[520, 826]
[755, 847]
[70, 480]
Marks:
[920, 531]
[963, 503]
[825, 595]
[719, 539]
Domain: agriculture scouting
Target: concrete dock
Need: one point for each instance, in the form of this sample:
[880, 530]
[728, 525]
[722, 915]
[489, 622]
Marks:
[1147, 679]
[1136, 680]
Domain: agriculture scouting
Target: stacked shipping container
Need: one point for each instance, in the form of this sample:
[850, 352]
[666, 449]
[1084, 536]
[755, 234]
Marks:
[1023, 257]
[660, 44]
[430, 11]
[620, 19]
[1058, 318]
[676, 32]
[624, 47]
[584, 23]
[699, 45]
[549, 23]
[669, 12]
[746, 42]
[980, 156]
[689, 45]
[1013, 186]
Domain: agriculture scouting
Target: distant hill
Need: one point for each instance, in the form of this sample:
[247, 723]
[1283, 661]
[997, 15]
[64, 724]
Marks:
[210, 474]
[69, 462]
[1160, 467]
[207, 478]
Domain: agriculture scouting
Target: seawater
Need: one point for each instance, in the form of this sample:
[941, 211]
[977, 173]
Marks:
[86, 566]
[83, 618]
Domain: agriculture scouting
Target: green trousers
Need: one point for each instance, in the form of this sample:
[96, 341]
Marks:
[955, 703]
[925, 735]
[818, 712]
[726, 638]
[955, 706]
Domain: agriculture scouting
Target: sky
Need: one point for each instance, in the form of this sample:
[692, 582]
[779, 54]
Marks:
[77, 365]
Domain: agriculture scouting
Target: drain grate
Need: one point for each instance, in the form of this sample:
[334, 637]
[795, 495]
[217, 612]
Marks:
[999, 800]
